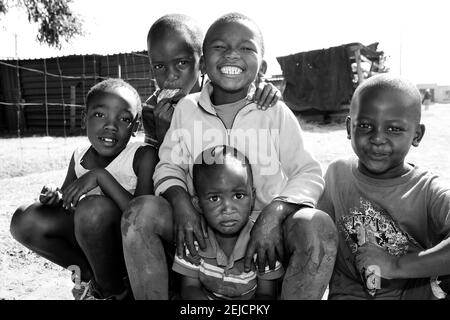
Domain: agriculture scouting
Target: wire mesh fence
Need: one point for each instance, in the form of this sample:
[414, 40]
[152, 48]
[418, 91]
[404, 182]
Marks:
[47, 96]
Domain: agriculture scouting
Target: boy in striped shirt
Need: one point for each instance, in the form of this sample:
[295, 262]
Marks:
[225, 196]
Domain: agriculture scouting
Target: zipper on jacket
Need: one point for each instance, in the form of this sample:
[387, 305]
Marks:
[223, 123]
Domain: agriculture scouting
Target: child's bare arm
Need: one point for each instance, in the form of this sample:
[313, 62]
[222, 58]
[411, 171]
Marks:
[144, 164]
[51, 195]
[109, 185]
[188, 223]
[71, 175]
[266, 289]
[432, 262]
[96, 177]
[267, 236]
[191, 289]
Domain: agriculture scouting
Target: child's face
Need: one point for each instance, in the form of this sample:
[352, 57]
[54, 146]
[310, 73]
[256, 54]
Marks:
[175, 64]
[226, 197]
[382, 127]
[233, 57]
[110, 121]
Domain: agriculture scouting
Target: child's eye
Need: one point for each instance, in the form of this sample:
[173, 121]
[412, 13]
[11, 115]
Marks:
[395, 129]
[158, 67]
[219, 47]
[127, 120]
[364, 126]
[98, 115]
[247, 49]
[239, 196]
[213, 198]
[183, 64]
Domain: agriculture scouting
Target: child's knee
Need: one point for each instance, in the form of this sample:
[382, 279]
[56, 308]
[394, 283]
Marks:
[23, 224]
[312, 229]
[95, 214]
[148, 212]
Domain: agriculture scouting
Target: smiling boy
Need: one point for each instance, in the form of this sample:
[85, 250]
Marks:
[403, 210]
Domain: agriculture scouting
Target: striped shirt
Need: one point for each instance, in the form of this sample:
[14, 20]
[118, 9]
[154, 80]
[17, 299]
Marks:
[224, 277]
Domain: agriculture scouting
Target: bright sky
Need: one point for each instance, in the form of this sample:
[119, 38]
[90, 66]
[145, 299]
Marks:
[414, 34]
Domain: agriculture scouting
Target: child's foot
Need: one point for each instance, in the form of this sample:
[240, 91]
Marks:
[79, 291]
[93, 292]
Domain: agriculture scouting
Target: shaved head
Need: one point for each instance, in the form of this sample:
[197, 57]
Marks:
[212, 158]
[386, 83]
[181, 24]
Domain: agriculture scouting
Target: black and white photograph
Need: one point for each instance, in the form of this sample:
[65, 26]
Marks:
[224, 150]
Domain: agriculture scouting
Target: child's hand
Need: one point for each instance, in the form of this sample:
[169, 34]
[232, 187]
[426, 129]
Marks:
[266, 240]
[163, 116]
[370, 254]
[266, 95]
[50, 195]
[78, 188]
[188, 224]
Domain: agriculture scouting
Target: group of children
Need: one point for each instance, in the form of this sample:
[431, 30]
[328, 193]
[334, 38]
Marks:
[224, 201]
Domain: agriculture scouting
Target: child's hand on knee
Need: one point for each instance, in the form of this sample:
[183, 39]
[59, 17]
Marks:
[50, 195]
[266, 240]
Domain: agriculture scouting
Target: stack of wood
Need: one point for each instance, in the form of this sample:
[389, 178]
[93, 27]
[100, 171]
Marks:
[366, 61]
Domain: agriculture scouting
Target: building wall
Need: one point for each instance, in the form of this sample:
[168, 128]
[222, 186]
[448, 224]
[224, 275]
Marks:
[440, 94]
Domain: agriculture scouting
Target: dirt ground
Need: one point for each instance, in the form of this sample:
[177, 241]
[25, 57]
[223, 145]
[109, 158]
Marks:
[26, 164]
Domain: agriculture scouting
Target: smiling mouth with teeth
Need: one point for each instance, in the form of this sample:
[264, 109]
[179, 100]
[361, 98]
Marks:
[229, 70]
[108, 140]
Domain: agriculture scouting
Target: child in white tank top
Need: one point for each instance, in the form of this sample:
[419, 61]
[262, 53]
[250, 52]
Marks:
[77, 226]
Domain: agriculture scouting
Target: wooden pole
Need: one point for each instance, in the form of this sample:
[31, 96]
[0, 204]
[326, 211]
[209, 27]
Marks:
[19, 91]
[72, 109]
[358, 66]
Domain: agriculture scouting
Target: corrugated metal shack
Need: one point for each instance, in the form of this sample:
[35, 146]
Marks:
[320, 83]
[46, 96]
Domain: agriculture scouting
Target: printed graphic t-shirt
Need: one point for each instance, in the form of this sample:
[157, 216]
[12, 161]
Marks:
[406, 214]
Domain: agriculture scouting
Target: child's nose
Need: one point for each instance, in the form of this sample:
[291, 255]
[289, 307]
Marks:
[378, 137]
[232, 53]
[111, 125]
[172, 73]
[228, 205]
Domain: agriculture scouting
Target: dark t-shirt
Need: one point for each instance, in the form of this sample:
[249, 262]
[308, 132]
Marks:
[402, 215]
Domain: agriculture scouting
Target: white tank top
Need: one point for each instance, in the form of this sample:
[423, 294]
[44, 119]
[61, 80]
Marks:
[121, 168]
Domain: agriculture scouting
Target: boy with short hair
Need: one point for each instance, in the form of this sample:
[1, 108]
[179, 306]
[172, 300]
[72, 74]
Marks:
[287, 179]
[174, 44]
[78, 224]
[225, 196]
[393, 217]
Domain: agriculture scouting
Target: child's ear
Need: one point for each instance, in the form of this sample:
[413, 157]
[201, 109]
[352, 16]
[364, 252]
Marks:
[348, 124]
[202, 65]
[420, 131]
[253, 197]
[83, 119]
[135, 128]
[262, 69]
[196, 203]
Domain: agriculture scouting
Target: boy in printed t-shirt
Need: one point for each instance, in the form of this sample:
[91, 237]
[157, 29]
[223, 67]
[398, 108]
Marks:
[393, 216]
